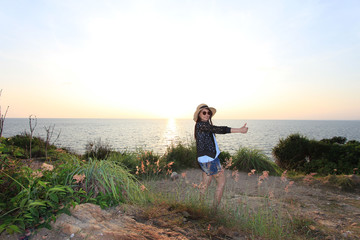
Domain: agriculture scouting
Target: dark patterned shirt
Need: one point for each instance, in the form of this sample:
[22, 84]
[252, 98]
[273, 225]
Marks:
[205, 144]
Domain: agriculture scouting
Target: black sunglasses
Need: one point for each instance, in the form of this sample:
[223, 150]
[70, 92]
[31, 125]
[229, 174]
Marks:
[206, 112]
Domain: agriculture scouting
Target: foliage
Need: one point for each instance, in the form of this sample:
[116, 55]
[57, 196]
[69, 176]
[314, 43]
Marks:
[324, 157]
[343, 182]
[127, 159]
[97, 149]
[147, 164]
[34, 197]
[339, 140]
[152, 166]
[224, 156]
[328, 156]
[4, 151]
[18, 146]
[183, 156]
[321, 166]
[246, 159]
[31, 198]
[291, 152]
[106, 181]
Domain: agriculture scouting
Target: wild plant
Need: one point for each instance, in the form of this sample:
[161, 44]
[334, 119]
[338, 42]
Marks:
[237, 209]
[32, 126]
[246, 159]
[2, 118]
[252, 209]
[106, 182]
[126, 159]
[97, 149]
[152, 166]
[183, 156]
[18, 146]
[49, 138]
[36, 201]
[256, 208]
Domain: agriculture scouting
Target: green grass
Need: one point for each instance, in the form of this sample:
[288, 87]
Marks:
[119, 178]
[33, 198]
[108, 178]
[246, 159]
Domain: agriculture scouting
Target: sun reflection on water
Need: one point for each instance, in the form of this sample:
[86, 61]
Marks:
[171, 134]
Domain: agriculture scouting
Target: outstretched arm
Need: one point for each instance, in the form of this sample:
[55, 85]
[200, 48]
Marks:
[243, 129]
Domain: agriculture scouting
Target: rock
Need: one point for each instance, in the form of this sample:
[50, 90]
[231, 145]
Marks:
[355, 179]
[174, 176]
[89, 221]
[312, 227]
[185, 214]
[346, 234]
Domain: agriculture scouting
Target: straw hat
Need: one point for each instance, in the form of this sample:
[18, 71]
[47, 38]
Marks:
[201, 107]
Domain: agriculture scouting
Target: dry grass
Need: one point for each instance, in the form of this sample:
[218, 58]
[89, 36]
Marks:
[269, 206]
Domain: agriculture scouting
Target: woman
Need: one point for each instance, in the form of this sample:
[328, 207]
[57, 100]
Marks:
[208, 150]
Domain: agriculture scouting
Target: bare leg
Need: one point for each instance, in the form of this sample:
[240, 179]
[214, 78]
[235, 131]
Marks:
[206, 181]
[220, 179]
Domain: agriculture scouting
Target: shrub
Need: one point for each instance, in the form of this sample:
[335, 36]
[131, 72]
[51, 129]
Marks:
[19, 146]
[224, 156]
[292, 152]
[246, 159]
[21, 141]
[321, 166]
[343, 182]
[183, 156]
[127, 159]
[339, 140]
[324, 157]
[329, 154]
[151, 165]
[97, 149]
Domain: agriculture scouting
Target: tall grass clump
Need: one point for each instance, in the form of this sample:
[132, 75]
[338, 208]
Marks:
[246, 159]
[144, 165]
[108, 182]
[97, 149]
[265, 221]
[126, 159]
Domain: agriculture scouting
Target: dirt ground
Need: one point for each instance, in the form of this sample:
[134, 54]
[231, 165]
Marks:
[329, 213]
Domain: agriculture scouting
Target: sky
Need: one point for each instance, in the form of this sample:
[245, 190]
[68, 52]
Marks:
[274, 59]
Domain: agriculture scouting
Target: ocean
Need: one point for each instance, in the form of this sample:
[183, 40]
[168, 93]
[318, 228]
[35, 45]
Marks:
[157, 134]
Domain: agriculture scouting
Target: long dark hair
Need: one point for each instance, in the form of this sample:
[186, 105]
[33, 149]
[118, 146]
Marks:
[199, 120]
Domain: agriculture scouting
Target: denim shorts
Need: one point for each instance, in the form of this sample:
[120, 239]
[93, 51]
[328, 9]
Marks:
[211, 168]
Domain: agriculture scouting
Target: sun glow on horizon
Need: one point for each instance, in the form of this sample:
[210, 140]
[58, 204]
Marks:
[287, 60]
